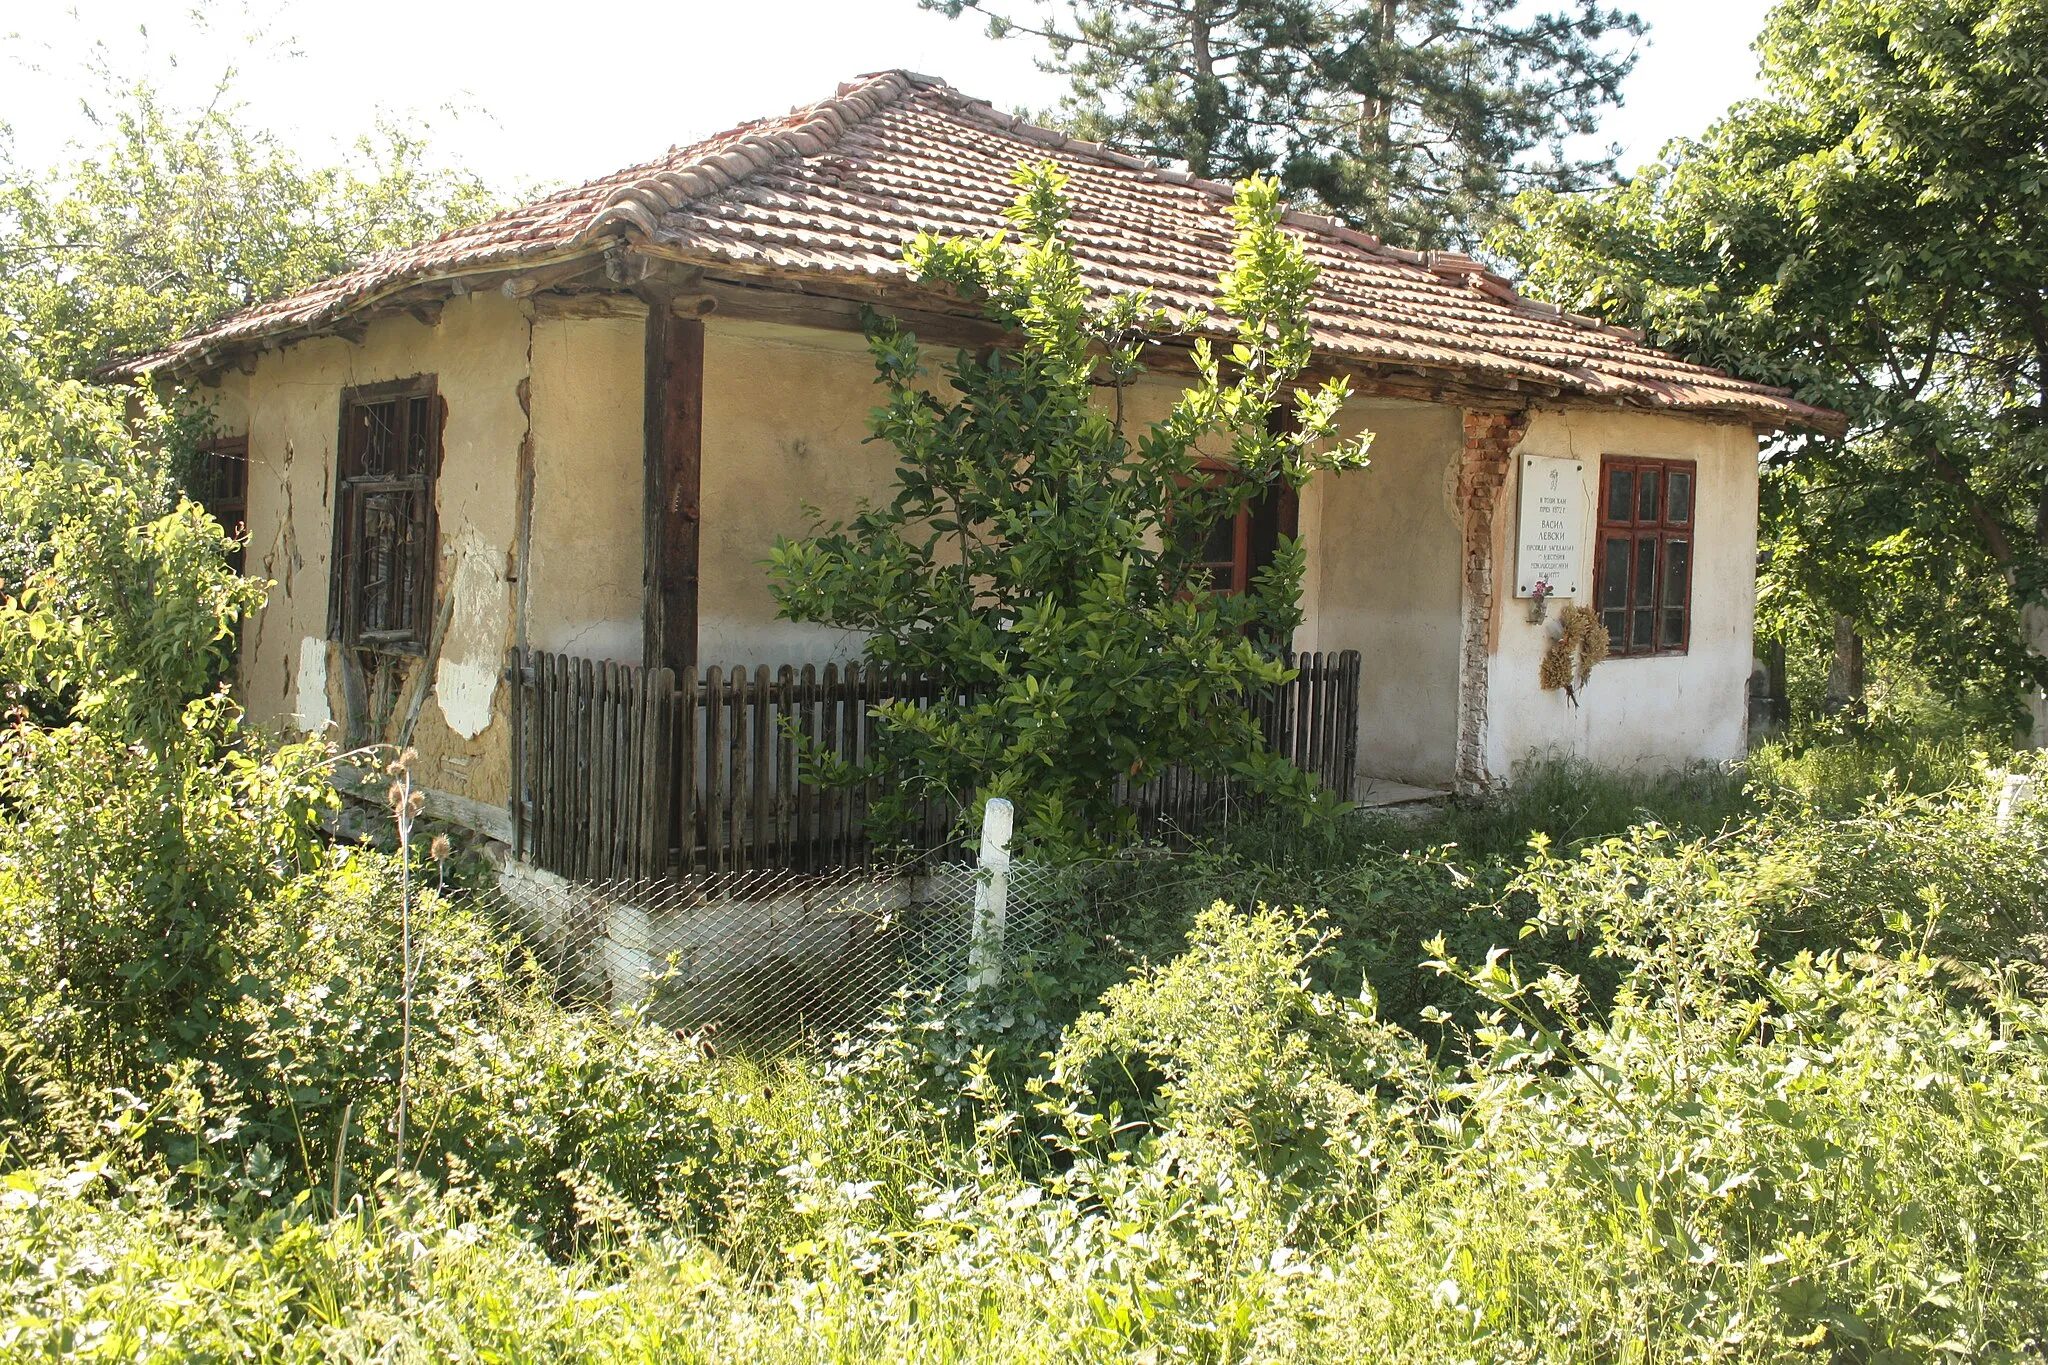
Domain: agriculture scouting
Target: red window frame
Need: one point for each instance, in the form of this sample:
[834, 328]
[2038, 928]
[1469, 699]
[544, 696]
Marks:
[1646, 554]
[1227, 550]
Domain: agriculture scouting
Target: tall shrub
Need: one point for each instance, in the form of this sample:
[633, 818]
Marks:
[1045, 560]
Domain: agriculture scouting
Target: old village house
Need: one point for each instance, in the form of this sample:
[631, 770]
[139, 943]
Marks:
[568, 435]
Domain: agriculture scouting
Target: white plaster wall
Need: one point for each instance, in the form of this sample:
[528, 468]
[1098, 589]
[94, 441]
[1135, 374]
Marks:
[1650, 713]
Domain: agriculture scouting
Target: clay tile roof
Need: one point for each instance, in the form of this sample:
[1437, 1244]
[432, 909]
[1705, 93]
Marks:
[838, 189]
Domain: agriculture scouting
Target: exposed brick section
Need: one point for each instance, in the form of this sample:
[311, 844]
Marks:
[832, 193]
[1490, 441]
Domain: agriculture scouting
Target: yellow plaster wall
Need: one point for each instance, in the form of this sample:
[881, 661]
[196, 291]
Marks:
[1384, 579]
[290, 675]
[785, 423]
[583, 595]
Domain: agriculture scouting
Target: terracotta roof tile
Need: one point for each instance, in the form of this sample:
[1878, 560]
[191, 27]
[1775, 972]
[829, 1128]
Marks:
[840, 187]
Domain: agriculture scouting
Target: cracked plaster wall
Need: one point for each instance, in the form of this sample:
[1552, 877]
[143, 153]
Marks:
[290, 409]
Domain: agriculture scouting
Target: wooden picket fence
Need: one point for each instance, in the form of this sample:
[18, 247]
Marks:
[623, 772]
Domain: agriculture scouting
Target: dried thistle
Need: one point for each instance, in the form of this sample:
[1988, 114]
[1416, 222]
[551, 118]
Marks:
[440, 848]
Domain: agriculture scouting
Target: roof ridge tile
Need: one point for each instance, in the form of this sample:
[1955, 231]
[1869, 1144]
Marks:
[640, 204]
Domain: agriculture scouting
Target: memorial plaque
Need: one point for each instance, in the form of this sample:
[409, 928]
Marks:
[1552, 547]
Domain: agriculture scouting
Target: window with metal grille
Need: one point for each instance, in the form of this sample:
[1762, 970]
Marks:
[1645, 553]
[382, 588]
[220, 484]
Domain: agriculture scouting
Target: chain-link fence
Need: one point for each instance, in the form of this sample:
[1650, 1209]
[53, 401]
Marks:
[776, 957]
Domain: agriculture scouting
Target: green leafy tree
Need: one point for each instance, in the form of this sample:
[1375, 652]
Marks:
[1046, 562]
[1414, 119]
[1873, 232]
[181, 217]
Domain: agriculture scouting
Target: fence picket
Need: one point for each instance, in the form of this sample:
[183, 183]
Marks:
[688, 784]
[621, 771]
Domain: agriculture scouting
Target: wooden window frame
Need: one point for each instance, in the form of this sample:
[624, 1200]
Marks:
[345, 600]
[224, 465]
[1255, 533]
[1660, 529]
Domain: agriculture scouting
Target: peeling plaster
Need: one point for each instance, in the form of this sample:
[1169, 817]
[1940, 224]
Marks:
[466, 678]
[310, 692]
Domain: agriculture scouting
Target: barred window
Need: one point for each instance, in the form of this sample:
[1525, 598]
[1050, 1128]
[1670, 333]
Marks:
[220, 484]
[382, 589]
[1645, 557]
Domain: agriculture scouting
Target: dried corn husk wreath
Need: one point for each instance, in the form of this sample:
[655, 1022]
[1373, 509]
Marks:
[1581, 643]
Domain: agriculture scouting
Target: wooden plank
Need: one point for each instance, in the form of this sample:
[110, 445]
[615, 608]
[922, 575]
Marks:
[829, 798]
[1311, 688]
[543, 776]
[851, 682]
[604, 759]
[715, 759]
[626, 771]
[785, 767]
[578, 848]
[736, 758]
[1354, 671]
[515, 802]
[592, 747]
[559, 764]
[762, 765]
[685, 715]
[674, 438]
[806, 835]
[651, 847]
[870, 789]
[537, 786]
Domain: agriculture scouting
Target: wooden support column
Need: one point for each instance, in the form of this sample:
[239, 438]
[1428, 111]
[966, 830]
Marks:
[675, 447]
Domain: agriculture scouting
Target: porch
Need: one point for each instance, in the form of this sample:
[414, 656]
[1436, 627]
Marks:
[623, 772]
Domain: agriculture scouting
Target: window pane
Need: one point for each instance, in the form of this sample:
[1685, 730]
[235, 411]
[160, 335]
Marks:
[1617, 626]
[1221, 545]
[1674, 628]
[1646, 495]
[388, 563]
[1677, 572]
[1621, 493]
[419, 436]
[1645, 594]
[1614, 564]
[1644, 627]
[1678, 498]
[376, 439]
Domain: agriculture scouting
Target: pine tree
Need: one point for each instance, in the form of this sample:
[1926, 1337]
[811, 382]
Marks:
[1413, 119]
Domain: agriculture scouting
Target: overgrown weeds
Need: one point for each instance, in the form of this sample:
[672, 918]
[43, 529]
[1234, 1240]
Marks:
[1602, 1070]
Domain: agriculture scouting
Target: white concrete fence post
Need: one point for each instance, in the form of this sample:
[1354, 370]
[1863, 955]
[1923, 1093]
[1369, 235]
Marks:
[991, 894]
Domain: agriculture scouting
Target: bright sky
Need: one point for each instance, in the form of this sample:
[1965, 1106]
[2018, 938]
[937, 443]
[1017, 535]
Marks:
[527, 93]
